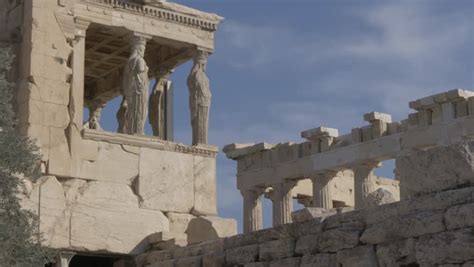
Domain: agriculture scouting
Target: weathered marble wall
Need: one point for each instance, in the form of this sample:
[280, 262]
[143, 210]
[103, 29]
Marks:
[434, 227]
[101, 192]
[430, 230]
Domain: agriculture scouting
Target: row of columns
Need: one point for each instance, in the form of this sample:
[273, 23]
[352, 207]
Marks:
[133, 112]
[282, 200]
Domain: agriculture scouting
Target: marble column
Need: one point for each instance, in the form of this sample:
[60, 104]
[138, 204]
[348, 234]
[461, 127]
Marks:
[282, 202]
[253, 220]
[322, 195]
[363, 182]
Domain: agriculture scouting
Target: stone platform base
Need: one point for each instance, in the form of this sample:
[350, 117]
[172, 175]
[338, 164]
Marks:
[430, 230]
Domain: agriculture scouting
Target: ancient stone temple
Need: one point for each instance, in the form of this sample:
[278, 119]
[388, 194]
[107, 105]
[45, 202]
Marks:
[330, 173]
[423, 217]
[112, 193]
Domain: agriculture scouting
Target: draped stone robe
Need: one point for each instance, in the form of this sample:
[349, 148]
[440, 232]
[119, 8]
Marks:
[199, 100]
[135, 90]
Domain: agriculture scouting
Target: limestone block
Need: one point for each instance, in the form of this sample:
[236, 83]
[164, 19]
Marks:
[209, 228]
[167, 263]
[106, 217]
[257, 264]
[459, 216]
[288, 262]
[367, 134]
[379, 128]
[114, 164]
[356, 134]
[417, 224]
[277, 249]
[327, 260]
[188, 251]
[470, 103]
[448, 247]
[157, 256]
[311, 213]
[170, 244]
[50, 44]
[439, 201]
[413, 121]
[461, 108]
[359, 256]
[377, 116]
[436, 169]
[189, 262]
[213, 259]
[396, 253]
[31, 111]
[319, 132]
[52, 90]
[48, 194]
[241, 240]
[379, 197]
[40, 135]
[212, 246]
[336, 239]
[205, 195]
[161, 175]
[52, 67]
[167, 240]
[179, 221]
[393, 128]
[242, 255]
[59, 156]
[307, 244]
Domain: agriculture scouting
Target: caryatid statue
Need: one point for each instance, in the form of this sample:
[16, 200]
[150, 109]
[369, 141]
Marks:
[95, 110]
[157, 103]
[135, 89]
[199, 98]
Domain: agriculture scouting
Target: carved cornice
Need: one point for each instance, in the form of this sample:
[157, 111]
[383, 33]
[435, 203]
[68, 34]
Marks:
[149, 142]
[159, 13]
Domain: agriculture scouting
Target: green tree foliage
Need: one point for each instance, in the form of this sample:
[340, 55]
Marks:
[19, 237]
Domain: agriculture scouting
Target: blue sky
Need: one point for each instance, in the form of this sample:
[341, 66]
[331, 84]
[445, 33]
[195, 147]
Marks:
[281, 67]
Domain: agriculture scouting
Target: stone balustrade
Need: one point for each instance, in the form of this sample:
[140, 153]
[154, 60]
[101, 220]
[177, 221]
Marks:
[439, 120]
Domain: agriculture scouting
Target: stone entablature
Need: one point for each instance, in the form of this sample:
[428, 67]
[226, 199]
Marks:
[166, 11]
[192, 28]
[441, 119]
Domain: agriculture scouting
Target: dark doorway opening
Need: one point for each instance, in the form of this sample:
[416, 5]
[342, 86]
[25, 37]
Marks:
[92, 261]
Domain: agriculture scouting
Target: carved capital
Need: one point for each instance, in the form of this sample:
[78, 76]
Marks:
[144, 36]
[80, 26]
[252, 193]
[326, 174]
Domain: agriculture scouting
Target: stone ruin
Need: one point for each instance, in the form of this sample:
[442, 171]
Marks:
[328, 163]
[138, 200]
[425, 217]
[112, 193]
